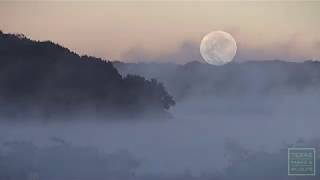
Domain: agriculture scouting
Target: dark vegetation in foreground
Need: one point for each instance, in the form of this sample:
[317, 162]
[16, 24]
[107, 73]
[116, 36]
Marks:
[45, 79]
[20, 160]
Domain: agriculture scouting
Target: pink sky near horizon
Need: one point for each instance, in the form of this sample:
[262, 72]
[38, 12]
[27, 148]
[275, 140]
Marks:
[168, 31]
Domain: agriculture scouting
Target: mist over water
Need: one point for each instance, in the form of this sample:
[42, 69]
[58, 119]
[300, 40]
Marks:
[195, 138]
[224, 118]
[162, 112]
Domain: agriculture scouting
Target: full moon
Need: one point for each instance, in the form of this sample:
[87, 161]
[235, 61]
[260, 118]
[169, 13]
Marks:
[218, 48]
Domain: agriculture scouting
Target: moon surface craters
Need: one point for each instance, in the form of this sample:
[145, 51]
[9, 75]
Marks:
[218, 48]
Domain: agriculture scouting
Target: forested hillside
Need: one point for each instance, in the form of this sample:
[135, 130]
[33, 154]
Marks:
[46, 79]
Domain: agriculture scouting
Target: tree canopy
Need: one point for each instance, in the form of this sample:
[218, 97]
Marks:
[46, 78]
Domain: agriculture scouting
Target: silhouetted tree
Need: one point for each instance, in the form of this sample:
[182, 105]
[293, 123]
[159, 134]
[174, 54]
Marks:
[46, 78]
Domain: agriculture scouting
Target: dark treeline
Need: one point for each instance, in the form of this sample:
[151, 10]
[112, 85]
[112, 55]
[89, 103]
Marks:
[234, 79]
[44, 78]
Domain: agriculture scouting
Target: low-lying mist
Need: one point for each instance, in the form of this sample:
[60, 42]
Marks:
[194, 139]
[64, 116]
[215, 134]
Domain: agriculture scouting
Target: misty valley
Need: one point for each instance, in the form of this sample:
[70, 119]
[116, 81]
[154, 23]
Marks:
[67, 116]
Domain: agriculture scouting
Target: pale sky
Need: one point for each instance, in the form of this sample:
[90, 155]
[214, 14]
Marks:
[150, 30]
